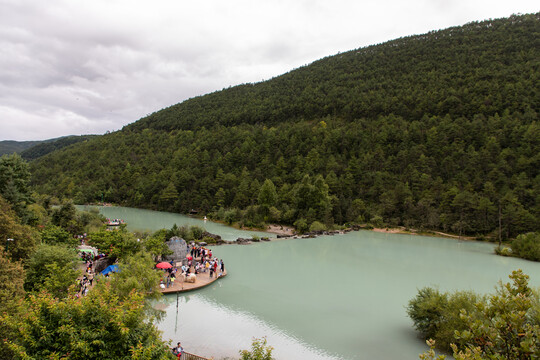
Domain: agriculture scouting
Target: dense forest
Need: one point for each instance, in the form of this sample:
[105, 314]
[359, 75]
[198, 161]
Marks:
[12, 146]
[49, 146]
[437, 131]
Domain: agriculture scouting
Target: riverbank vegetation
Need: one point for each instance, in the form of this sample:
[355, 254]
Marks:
[504, 325]
[41, 315]
[438, 131]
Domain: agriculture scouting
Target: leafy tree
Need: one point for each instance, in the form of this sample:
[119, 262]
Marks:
[505, 325]
[115, 243]
[155, 245]
[24, 237]
[65, 217]
[137, 274]
[11, 293]
[52, 268]
[527, 246]
[97, 326]
[55, 235]
[14, 182]
[267, 196]
[260, 350]
[505, 328]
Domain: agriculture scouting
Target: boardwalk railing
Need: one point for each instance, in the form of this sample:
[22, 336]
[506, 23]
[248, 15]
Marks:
[188, 356]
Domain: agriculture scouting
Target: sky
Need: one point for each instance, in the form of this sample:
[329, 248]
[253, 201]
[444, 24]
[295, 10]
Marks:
[72, 67]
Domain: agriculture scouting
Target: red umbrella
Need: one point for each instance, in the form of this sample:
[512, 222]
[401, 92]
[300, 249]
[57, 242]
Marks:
[164, 265]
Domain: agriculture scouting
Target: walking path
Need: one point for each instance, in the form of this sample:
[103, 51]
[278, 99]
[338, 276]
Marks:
[203, 279]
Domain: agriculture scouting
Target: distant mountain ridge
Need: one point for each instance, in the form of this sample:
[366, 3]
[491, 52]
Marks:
[437, 131]
[49, 146]
[31, 150]
[13, 146]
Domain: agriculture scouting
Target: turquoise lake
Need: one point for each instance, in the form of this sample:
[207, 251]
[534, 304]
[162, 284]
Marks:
[332, 297]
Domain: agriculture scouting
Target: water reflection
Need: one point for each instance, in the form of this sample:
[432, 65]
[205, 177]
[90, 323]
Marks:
[209, 328]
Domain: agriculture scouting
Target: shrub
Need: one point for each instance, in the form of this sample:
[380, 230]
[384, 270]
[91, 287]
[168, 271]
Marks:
[301, 225]
[527, 246]
[259, 351]
[427, 311]
[377, 221]
[317, 226]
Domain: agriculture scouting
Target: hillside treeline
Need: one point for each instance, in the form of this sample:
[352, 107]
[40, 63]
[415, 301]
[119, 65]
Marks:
[437, 131]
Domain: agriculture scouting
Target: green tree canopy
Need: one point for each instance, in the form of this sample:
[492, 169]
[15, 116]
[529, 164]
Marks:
[97, 326]
[52, 268]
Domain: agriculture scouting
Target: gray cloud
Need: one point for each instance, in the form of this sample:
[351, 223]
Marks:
[76, 67]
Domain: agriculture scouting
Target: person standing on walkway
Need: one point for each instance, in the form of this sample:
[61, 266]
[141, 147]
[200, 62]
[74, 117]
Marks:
[178, 350]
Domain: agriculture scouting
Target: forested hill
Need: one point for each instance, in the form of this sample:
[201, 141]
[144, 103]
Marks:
[49, 146]
[438, 131]
[482, 67]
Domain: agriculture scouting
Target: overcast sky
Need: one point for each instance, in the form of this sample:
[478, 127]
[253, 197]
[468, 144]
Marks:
[70, 67]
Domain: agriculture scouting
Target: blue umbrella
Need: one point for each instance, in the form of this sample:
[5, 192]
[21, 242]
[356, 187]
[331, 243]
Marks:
[110, 268]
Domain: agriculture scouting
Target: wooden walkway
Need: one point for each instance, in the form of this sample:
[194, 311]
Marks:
[188, 356]
[203, 279]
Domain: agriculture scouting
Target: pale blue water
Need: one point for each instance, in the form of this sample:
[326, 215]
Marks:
[333, 297]
[148, 220]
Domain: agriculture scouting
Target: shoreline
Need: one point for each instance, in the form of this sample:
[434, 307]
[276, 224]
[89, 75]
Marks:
[285, 231]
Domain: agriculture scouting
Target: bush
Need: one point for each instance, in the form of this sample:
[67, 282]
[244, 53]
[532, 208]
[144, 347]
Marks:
[301, 225]
[427, 311]
[196, 232]
[503, 251]
[527, 246]
[377, 221]
[259, 351]
[317, 226]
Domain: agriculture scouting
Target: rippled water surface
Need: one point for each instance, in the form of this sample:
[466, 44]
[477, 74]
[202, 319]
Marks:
[333, 297]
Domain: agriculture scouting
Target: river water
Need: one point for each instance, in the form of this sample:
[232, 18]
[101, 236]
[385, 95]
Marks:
[332, 297]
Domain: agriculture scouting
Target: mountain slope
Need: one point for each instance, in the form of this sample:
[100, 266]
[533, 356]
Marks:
[49, 146]
[12, 146]
[439, 131]
[482, 67]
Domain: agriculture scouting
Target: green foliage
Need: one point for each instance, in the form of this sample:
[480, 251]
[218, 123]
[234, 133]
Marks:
[267, 195]
[317, 226]
[11, 282]
[43, 148]
[14, 183]
[97, 326]
[195, 233]
[11, 293]
[24, 237]
[155, 245]
[437, 315]
[137, 274]
[427, 311]
[115, 243]
[65, 217]
[55, 235]
[52, 268]
[301, 225]
[505, 325]
[436, 131]
[527, 246]
[260, 350]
